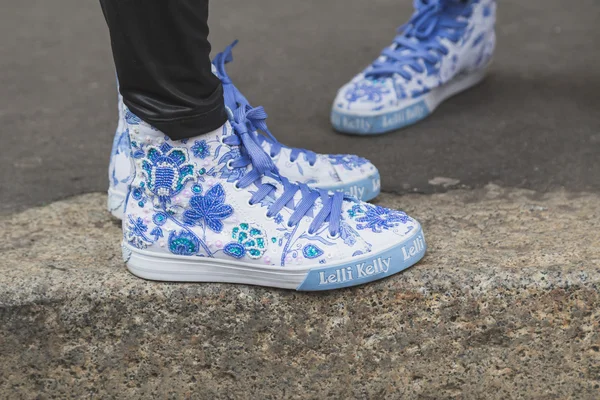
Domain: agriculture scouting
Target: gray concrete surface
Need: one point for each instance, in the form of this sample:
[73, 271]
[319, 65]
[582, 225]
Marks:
[534, 123]
[505, 305]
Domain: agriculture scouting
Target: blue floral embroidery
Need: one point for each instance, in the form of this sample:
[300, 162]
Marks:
[183, 243]
[136, 193]
[115, 180]
[251, 238]
[136, 150]
[399, 89]
[419, 92]
[121, 143]
[356, 209]
[347, 161]
[278, 219]
[367, 90]
[234, 250]
[311, 251]
[201, 149]
[120, 146]
[378, 218]
[132, 119]
[348, 234]
[487, 10]
[138, 226]
[166, 171]
[210, 209]
[157, 233]
[160, 218]
[136, 233]
[231, 174]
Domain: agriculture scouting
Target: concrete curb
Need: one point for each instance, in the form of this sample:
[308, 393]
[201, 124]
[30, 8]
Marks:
[505, 305]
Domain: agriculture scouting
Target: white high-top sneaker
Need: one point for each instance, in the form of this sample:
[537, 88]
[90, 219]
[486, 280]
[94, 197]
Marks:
[214, 209]
[350, 174]
[443, 50]
[353, 175]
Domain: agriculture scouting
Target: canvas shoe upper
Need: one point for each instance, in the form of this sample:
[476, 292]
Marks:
[120, 167]
[350, 174]
[214, 208]
[442, 50]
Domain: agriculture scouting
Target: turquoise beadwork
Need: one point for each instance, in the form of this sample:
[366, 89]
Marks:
[311, 251]
[249, 238]
[234, 250]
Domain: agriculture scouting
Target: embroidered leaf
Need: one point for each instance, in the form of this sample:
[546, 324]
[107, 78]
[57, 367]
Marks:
[217, 150]
[138, 154]
[157, 233]
[215, 196]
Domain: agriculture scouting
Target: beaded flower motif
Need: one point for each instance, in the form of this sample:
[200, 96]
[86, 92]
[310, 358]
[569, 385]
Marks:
[377, 218]
[166, 170]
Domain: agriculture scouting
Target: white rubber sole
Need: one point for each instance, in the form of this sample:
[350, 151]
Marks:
[359, 270]
[407, 113]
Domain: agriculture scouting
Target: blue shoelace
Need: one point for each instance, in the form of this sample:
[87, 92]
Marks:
[419, 38]
[234, 99]
[244, 122]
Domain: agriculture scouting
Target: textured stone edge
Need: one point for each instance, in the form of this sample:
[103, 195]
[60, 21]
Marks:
[495, 310]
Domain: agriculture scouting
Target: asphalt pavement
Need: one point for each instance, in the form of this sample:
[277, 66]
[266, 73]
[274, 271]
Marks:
[533, 123]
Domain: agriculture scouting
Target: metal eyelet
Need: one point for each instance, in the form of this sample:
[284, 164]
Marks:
[336, 236]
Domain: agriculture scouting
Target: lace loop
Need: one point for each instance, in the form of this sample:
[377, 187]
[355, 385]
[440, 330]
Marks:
[252, 154]
[260, 160]
[419, 41]
[235, 99]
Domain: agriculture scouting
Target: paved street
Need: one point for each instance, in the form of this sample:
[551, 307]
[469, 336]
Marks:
[534, 123]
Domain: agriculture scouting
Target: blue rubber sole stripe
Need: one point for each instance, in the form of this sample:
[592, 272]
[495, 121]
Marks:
[368, 268]
[377, 124]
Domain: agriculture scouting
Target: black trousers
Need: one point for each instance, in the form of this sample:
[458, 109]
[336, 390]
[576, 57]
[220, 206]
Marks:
[161, 53]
